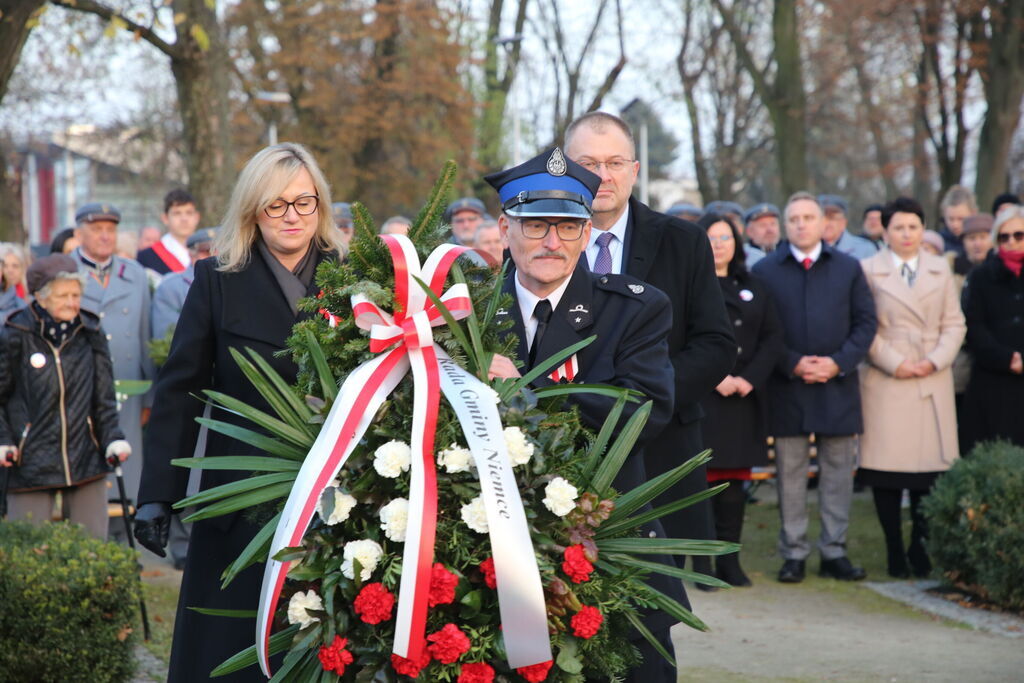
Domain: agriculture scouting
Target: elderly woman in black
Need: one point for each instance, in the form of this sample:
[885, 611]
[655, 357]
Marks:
[58, 421]
[735, 424]
[277, 229]
[993, 302]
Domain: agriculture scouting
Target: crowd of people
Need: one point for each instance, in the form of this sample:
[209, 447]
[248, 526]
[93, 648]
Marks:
[759, 330]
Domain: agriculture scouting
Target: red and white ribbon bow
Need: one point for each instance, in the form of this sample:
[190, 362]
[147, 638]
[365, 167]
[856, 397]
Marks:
[406, 337]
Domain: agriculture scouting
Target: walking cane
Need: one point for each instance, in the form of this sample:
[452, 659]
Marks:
[113, 461]
[4, 475]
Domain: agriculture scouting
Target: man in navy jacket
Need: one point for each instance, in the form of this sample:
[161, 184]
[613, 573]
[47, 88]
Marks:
[828, 314]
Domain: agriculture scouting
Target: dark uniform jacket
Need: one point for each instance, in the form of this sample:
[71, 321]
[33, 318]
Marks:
[735, 427]
[58, 403]
[631, 321]
[993, 303]
[222, 311]
[825, 311]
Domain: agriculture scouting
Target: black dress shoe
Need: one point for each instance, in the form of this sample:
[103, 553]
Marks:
[728, 569]
[792, 571]
[841, 568]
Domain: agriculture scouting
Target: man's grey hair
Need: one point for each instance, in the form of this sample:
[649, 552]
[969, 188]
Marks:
[488, 224]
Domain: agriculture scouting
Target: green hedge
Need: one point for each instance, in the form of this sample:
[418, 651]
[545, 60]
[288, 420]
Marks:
[68, 604]
[976, 518]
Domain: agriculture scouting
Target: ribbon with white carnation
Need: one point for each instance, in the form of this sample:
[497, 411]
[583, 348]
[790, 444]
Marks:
[520, 594]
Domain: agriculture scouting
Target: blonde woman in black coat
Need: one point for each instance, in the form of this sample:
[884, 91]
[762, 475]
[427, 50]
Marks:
[735, 424]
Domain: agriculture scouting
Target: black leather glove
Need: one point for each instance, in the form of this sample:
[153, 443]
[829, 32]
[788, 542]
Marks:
[153, 526]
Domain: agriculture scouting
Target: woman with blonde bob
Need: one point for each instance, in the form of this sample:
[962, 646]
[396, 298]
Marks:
[276, 231]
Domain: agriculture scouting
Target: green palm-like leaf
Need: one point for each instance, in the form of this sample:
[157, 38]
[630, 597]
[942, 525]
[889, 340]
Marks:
[604, 436]
[232, 613]
[665, 546]
[260, 441]
[610, 465]
[674, 609]
[668, 570]
[242, 501]
[279, 642]
[328, 383]
[648, 636]
[608, 390]
[492, 303]
[544, 367]
[482, 358]
[254, 463]
[453, 326]
[622, 525]
[235, 488]
[299, 437]
[633, 500]
[256, 549]
[273, 389]
[292, 400]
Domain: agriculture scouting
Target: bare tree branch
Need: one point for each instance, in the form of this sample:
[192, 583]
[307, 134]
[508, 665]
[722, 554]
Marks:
[146, 33]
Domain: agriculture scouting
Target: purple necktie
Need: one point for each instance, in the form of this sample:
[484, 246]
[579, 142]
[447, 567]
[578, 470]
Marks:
[603, 262]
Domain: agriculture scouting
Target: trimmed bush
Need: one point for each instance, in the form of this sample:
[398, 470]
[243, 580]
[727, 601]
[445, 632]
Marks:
[976, 518]
[68, 604]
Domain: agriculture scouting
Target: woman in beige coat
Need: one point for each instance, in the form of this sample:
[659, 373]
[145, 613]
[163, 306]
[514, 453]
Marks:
[910, 434]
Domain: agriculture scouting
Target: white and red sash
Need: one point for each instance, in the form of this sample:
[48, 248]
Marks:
[169, 259]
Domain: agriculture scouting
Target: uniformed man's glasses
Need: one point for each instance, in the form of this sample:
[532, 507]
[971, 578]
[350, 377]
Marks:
[304, 206]
[538, 228]
[616, 165]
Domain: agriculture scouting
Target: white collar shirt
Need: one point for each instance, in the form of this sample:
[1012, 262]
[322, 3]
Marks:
[813, 254]
[528, 301]
[615, 246]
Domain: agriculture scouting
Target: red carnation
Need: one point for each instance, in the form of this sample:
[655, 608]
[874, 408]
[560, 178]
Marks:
[477, 672]
[487, 567]
[407, 667]
[335, 657]
[576, 565]
[587, 622]
[448, 644]
[442, 586]
[535, 673]
[374, 603]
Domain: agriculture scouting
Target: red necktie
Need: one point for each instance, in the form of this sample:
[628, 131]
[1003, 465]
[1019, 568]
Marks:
[807, 263]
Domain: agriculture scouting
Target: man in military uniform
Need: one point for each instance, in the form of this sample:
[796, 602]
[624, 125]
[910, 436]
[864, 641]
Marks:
[169, 297]
[342, 213]
[464, 215]
[762, 227]
[558, 301]
[117, 291]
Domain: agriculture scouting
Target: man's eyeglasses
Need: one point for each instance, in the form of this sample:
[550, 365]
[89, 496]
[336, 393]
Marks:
[537, 229]
[1004, 237]
[304, 206]
[616, 165]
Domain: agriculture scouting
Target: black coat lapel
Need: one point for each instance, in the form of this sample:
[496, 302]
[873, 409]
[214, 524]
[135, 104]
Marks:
[572, 318]
[643, 241]
[512, 313]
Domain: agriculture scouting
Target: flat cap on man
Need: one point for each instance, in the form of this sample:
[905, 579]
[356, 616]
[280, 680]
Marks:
[550, 184]
[44, 270]
[201, 236]
[684, 209]
[760, 211]
[722, 207]
[979, 222]
[833, 201]
[464, 204]
[341, 211]
[97, 211]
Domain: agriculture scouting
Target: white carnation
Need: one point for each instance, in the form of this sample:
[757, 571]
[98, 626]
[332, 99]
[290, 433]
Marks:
[455, 459]
[394, 517]
[391, 459]
[343, 504]
[367, 552]
[475, 515]
[520, 449]
[298, 606]
[560, 496]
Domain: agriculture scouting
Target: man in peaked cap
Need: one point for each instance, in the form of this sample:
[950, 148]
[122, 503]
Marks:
[117, 290]
[836, 235]
[546, 209]
[761, 225]
[724, 208]
[464, 215]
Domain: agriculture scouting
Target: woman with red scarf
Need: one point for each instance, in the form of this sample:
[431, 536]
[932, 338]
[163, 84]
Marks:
[993, 302]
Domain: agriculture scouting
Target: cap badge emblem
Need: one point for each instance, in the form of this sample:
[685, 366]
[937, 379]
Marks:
[636, 289]
[556, 162]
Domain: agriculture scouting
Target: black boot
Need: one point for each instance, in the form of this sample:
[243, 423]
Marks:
[887, 505]
[729, 506]
[702, 564]
[920, 564]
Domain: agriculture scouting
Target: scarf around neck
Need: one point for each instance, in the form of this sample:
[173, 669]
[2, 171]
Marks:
[55, 332]
[1013, 260]
[294, 282]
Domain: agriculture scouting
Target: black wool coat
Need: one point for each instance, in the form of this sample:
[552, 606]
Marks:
[993, 303]
[736, 427]
[222, 311]
[675, 256]
[825, 311]
[57, 404]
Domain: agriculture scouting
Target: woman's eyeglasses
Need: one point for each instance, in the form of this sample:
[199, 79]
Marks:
[304, 206]
[1004, 237]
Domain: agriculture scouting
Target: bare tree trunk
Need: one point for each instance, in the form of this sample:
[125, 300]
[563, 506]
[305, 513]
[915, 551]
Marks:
[874, 117]
[497, 84]
[16, 22]
[1003, 77]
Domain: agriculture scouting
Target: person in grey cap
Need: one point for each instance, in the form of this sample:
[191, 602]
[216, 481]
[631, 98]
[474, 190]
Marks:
[761, 224]
[836, 235]
[342, 214]
[725, 208]
[464, 215]
[117, 291]
[58, 414]
[686, 211]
